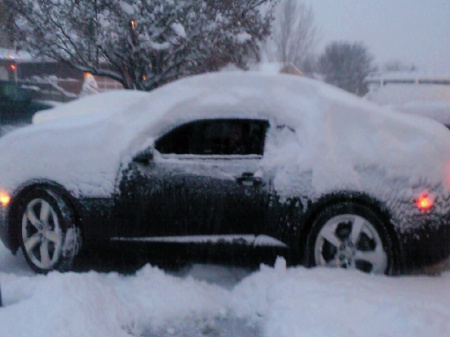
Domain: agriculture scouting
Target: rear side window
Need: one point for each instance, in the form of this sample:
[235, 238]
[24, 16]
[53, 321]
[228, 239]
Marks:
[215, 137]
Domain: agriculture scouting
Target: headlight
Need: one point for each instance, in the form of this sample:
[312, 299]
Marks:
[5, 198]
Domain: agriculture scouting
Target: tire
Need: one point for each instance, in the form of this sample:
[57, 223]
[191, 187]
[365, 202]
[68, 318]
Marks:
[48, 236]
[351, 236]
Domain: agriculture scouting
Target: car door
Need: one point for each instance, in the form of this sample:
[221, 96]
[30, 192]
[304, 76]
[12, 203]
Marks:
[199, 184]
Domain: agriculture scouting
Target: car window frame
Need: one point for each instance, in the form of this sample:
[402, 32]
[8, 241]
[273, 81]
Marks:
[189, 156]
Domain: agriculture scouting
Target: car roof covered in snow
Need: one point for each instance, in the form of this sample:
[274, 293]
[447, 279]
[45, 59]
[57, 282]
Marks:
[336, 132]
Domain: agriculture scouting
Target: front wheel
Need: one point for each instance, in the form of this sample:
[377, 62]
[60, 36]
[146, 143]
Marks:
[351, 236]
[48, 236]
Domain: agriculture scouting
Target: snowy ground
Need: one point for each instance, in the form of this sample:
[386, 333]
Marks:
[211, 300]
[4, 129]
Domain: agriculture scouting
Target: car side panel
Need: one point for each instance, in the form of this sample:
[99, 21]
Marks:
[176, 198]
[95, 216]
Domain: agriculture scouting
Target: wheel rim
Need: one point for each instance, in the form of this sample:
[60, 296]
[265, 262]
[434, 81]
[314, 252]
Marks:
[352, 242]
[41, 234]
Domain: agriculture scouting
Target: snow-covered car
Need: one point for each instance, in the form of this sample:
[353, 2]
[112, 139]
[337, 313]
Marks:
[425, 95]
[234, 161]
[17, 106]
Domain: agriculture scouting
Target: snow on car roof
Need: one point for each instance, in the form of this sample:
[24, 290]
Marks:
[110, 102]
[335, 133]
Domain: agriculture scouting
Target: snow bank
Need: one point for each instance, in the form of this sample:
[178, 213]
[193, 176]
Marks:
[321, 302]
[278, 301]
[336, 135]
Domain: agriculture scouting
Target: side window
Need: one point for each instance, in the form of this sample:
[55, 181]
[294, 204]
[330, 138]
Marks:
[176, 141]
[216, 137]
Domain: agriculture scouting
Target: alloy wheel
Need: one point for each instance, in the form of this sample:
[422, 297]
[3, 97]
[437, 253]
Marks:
[350, 241]
[41, 234]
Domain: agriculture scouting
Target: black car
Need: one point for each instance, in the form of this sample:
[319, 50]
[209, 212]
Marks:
[231, 160]
[17, 105]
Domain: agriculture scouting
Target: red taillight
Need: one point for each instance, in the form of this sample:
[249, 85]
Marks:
[424, 203]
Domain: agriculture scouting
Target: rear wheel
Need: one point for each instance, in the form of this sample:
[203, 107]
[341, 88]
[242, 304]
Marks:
[351, 236]
[48, 236]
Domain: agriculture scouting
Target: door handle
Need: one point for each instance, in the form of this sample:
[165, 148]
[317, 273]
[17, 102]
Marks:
[249, 179]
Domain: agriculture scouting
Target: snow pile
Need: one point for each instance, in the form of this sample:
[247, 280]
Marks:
[327, 132]
[321, 302]
[277, 302]
[67, 301]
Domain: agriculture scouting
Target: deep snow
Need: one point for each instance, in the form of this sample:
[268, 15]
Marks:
[208, 300]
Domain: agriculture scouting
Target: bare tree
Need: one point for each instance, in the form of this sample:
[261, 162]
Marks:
[142, 43]
[346, 65]
[293, 33]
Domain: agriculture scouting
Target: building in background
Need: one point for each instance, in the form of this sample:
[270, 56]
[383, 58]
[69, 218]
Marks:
[55, 81]
[415, 92]
[52, 80]
[398, 88]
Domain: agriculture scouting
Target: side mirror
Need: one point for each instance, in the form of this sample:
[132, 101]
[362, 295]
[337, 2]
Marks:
[144, 157]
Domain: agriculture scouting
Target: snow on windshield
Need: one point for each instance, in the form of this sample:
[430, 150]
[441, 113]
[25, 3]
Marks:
[336, 135]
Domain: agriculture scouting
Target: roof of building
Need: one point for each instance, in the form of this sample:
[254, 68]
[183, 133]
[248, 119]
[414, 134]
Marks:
[409, 77]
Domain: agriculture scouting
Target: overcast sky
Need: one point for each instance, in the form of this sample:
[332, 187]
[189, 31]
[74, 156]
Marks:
[412, 31]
